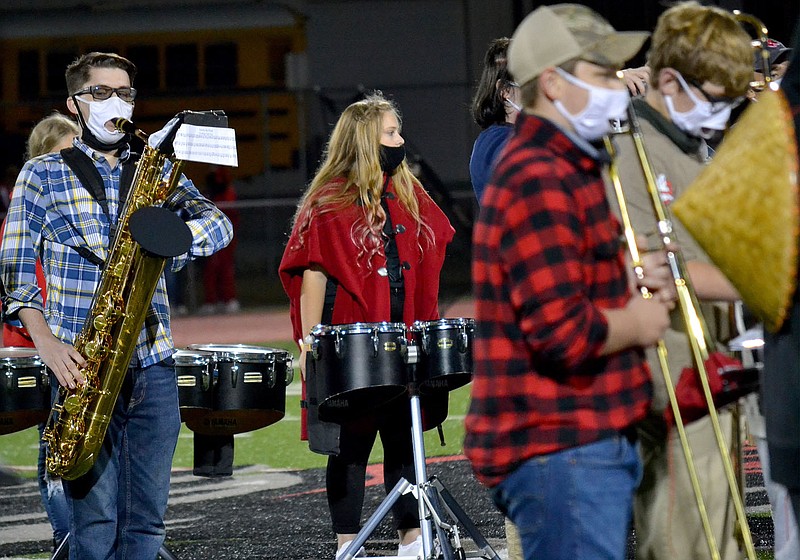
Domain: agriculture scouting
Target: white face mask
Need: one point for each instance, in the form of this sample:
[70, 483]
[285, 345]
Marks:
[100, 112]
[604, 106]
[704, 119]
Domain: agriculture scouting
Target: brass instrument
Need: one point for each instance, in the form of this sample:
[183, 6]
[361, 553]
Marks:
[760, 44]
[80, 417]
[661, 350]
[697, 332]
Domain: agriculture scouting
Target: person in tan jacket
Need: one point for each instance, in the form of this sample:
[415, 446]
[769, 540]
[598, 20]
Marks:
[701, 64]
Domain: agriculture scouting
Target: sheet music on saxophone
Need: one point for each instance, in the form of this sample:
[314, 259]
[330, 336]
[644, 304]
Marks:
[206, 144]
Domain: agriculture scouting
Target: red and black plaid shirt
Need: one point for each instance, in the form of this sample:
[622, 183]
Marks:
[547, 258]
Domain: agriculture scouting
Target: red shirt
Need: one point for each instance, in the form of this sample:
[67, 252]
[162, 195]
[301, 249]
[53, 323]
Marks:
[547, 258]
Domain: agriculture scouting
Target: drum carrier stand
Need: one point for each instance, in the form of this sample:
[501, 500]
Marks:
[438, 510]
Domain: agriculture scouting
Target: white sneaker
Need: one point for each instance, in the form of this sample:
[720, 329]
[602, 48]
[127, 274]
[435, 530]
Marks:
[411, 549]
[233, 306]
[207, 309]
[360, 554]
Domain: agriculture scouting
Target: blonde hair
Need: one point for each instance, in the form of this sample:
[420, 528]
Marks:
[48, 133]
[703, 43]
[351, 174]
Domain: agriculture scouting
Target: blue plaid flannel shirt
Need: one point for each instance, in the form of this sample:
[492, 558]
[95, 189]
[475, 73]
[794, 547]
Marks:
[51, 213]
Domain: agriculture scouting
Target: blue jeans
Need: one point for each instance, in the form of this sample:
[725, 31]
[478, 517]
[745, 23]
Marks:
[574, 504]
[117, 509]
[53, 499]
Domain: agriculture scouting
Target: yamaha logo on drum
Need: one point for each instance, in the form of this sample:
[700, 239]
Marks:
[444, 343]
[337, 403]
[389, 346]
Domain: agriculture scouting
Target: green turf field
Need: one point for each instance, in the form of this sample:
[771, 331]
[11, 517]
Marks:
[276, 446]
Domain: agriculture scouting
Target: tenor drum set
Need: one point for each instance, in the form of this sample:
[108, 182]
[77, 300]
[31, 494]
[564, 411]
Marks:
[356, 368]
[230, 389]
[222, 389]
[360, 367]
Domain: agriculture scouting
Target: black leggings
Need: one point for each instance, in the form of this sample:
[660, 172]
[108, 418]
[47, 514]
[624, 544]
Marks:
[346, 472]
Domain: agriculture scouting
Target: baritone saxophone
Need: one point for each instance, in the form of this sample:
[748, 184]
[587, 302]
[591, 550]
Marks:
[79, 417]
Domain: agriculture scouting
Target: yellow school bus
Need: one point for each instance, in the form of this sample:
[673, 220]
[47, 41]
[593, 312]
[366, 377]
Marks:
[241, 71]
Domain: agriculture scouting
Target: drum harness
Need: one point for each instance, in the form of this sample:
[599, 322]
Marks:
[83, 168]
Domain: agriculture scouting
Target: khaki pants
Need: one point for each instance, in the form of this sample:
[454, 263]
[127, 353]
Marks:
[513, 542]
[666, 516]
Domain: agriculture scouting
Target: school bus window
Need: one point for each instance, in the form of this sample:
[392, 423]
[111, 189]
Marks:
[277, 61]
[148, 65]
[28, 75]
[56, 62]
[221, 65]
[181, 70]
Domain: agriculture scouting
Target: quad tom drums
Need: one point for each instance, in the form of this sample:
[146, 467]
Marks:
[24, 389]
[356, 367]
[230, 389]
[444, 353]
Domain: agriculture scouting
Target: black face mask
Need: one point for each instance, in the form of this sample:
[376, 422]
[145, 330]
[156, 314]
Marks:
[391, 157]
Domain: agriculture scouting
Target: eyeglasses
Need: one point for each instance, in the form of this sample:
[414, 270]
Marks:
[101, 93]
[718, 102]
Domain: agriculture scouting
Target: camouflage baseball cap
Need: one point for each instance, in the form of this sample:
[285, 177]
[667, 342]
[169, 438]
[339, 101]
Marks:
[552, 35]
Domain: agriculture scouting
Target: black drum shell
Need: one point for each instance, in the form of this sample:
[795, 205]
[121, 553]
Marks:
[24, 389]
[444, 353]
[250, 392]
[196, 374]
[366, 371]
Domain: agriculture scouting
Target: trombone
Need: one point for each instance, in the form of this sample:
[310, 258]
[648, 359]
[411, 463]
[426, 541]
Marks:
[697, 333]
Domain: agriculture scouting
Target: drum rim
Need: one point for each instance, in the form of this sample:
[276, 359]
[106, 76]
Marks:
[359, 328]
[443, 323]
[242, 352]
[19, 357]
[18, 352]
[182, 357]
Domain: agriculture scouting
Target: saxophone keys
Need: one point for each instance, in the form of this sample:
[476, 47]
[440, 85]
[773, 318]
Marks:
[72, 404]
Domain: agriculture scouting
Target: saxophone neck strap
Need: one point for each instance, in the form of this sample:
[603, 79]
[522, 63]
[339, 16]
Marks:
[85, 170]
[83, 167]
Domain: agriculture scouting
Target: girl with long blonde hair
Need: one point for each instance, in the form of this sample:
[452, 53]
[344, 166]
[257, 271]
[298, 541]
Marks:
[367, 246]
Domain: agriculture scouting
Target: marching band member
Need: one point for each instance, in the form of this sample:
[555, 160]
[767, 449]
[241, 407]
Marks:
[117, 508]
[701, 63]
[560, 378]
[362, 207]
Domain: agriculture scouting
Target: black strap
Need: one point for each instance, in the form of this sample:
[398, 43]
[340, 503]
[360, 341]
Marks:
[89, 256]
[83, 166]
[394, 268]
[330, 298]
[126, 179]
